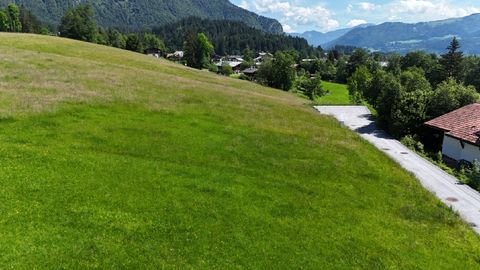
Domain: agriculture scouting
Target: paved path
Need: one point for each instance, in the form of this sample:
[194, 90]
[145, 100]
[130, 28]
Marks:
[461, 198]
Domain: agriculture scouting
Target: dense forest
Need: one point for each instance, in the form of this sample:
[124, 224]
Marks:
[143, 14]
[229, 37]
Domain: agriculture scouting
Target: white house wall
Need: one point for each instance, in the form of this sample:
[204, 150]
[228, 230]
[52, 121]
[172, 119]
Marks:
[471, 152]
[452, 148]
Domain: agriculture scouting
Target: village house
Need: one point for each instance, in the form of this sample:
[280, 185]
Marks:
[234, 61]
[461, 134]
[175, 56]
[155, 52]
[236, 65]
[250, 72]
[262, 57]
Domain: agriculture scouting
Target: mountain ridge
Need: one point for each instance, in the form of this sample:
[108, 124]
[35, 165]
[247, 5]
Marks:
[316, 38]
[401, 37]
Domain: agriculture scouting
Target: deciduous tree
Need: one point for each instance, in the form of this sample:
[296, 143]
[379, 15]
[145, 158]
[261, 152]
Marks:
[278, 72]
[450, 95]
[13, 15]
[198, 50]
[79, 23]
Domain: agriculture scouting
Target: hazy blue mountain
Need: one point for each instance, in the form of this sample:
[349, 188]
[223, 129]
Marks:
[316, 38]
[403, 37]
[140, 14]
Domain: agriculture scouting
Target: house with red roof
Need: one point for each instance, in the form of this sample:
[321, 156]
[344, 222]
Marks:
[461, 129]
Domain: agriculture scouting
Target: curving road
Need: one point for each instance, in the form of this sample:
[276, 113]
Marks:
[461, 198]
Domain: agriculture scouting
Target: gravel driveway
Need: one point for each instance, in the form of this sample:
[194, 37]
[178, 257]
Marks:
[461, 198]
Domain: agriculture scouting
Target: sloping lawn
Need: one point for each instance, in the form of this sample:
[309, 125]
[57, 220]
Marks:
[338, 94]
[110, 159]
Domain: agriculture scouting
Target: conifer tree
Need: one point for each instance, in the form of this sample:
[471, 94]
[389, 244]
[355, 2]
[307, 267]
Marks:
[452, 61]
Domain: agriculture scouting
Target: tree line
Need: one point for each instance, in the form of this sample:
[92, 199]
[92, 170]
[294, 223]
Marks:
[19, 19]
[414, 88]
[232, 37]
[227, 37]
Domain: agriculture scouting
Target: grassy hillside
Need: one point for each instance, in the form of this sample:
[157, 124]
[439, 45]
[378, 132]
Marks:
[111, 159]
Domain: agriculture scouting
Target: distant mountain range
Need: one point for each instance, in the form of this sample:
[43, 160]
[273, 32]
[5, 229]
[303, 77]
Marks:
[404, 37]
[316, 38]
[142, 14]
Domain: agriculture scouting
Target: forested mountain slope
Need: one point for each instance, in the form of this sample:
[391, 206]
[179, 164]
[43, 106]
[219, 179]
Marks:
[429, 36]
[139, 14]
[230, 37]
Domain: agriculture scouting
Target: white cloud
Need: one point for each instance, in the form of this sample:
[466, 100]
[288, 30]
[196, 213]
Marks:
[287, 28]
[426, 10]
[293, 15]
[356, 22]
[362, 7]
[244, 4]
[366, 6]
[296, 15]
[349, 8]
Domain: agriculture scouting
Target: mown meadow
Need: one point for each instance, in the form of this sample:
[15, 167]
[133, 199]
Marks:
[337, 94]
[112, 159]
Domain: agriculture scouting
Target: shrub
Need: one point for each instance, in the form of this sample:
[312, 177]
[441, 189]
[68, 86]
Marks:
[226, 70]
[413, 143]
[473, 175]
[244, 77]
[310, 87]
[213, 68]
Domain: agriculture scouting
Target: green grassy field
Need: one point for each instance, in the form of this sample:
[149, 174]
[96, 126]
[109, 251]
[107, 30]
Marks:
[111, 159]
[338, 94]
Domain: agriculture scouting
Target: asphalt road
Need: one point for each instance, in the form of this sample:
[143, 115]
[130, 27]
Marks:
[461, 198]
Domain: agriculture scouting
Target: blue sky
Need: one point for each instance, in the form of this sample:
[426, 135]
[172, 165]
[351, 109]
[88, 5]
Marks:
[327, 15]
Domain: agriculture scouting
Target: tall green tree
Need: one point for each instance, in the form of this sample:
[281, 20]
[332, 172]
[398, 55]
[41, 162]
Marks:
[79, 23]
[409, 112]
[428, 62]
[452, 61]
[30, 23]
[394, 64]
[248, 55]
[359, 83]
[116, 39]
[450, 95]
[150, 40]
[342, 71]
[390, 91]
[310, 86]
[198, 50]
[191, 51]
[472, 72]
[278, 72]
[3, 21]
[133, 43]
[359, 57]
[13, 15]
[206, 49]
